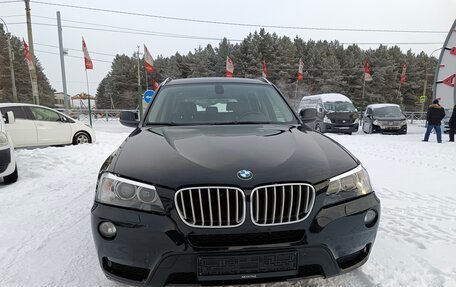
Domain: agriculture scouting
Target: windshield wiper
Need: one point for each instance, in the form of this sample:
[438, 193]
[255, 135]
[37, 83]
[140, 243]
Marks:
[240, 123]
[163, 124]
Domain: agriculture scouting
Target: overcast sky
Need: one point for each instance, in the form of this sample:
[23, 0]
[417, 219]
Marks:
[422, 15]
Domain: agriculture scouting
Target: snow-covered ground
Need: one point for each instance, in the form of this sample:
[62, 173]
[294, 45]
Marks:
[45, 235]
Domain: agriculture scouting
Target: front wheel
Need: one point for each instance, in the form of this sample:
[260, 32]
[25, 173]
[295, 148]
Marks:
[81, 138]
[12, 177]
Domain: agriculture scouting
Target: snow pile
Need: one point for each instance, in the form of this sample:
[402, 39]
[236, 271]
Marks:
[46, 240]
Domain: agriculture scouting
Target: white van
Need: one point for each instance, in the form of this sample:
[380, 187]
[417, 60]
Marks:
[335, 113]
[8, 167]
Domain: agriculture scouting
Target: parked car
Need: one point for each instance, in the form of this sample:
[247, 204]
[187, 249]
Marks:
[42, 126]
[219, 182]
[8, 167]
[335, 113]
[384, 118]
[446, 120]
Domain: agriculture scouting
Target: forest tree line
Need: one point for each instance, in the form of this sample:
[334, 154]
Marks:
[21, 74]
[328, 67]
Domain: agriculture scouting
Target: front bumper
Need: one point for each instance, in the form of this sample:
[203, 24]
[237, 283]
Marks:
[341, 128]
[156, 250]
[390, 129]
[7, 163]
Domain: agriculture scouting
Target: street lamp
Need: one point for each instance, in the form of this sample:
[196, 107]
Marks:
[13, 79]
[426, 76]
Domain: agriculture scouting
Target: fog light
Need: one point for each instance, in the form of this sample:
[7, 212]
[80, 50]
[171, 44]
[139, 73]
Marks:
[107, 230]
[370, 218]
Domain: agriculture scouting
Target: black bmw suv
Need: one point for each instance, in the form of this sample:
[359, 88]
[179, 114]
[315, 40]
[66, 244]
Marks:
[221, 183]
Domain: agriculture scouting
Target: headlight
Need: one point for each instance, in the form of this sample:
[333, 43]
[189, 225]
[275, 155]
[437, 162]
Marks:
[326, 120]
[119, 191]
[377, 123]
[348, 185]
[356, 121]
[404, 122]
[3, 139]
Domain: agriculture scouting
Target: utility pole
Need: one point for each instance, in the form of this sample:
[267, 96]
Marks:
[140, 104]
[13, 78]
[36, 97]
[62, 60]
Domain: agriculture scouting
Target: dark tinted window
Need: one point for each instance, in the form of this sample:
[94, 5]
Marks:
[19, 112]
[340, 107]
[388, 111]
[219, 104]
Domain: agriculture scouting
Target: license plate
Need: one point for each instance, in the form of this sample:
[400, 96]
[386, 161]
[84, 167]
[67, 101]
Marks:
[249, 266]
[343, 128]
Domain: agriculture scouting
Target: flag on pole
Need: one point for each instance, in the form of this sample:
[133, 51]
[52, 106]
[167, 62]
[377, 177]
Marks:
[229, 67]
[27, 56]
[87, 61]
[403, 75]
[265, 70]
[155, 86]
[367, 71]
[300, 69]
[148, 60]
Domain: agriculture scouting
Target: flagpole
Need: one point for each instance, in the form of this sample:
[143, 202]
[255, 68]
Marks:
[140, 100]
[364, 84]
[296, 91]
[147, 84]
[88, 95]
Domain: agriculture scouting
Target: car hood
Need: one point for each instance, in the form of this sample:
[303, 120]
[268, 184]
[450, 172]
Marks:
[179, 156]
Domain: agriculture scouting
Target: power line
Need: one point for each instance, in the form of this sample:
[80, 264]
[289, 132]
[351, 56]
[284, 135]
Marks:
[73, 49]
[182, 36]
[237, 24]
[53, 53]
[11, 1]
[157, 34]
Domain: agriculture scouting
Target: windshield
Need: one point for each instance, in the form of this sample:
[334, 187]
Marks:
[340, 107]
[215, 103]
[390, 111]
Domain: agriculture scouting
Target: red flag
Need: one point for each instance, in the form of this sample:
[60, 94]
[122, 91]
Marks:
[27, 55]
[403, 75]
[229, 67]
[449, 80]
[155, 87]
[367, 72]
[300, 69]
[148, 60]
[87, 61]
[265, 70]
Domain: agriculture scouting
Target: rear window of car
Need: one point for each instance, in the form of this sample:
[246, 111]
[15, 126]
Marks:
[216, 103]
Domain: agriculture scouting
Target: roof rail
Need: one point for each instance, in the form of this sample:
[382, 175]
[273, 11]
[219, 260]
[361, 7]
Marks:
[167, 80]
[265, 80]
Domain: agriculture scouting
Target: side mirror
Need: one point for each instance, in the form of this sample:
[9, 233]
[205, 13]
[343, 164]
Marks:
[308, 115]
[10, 118]
[129, 118]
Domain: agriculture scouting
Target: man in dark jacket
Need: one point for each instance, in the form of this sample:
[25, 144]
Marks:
[435, 114]
[453, 124]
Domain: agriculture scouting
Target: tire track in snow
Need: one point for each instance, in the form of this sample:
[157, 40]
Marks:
[420, 220]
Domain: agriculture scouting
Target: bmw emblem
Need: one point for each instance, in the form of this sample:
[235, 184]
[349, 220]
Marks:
[245, 174]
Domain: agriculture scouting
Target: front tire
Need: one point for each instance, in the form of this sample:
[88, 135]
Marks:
[12, 177]
[81, 138]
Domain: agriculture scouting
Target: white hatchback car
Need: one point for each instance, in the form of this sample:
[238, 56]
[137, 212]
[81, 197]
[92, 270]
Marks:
[8, 167]
[41, 126]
